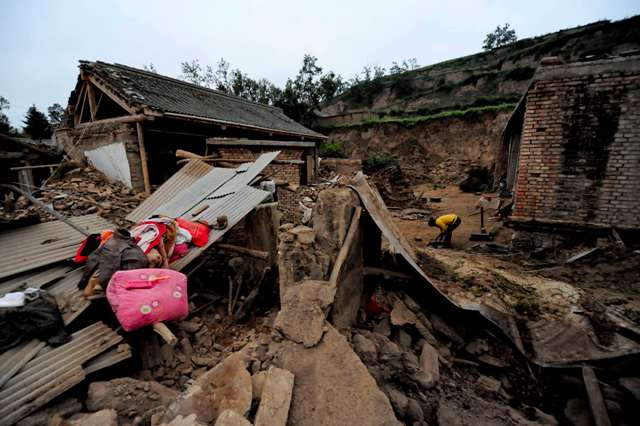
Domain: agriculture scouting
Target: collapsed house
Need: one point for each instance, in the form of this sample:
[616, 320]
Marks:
[571, 150]
[24, 164]
[129, 123]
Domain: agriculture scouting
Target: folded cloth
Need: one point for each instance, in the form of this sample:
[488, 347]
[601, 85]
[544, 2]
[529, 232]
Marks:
[12, 300]
[148, 235]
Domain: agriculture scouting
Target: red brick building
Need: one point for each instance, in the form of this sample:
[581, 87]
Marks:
[572, 147]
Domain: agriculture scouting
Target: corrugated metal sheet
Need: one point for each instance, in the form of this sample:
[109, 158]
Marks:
[177, 183]
[12, 360]
[69, 297]
[52, 372]
[34, 279]
[109, 358]
[195, 193]
[235, 206]
[31, 247]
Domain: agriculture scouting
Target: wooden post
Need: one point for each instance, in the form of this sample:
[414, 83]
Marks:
[261, 226]
[143, 159]
[596, 401]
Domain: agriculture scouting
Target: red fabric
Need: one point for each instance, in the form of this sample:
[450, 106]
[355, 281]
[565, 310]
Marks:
[199, 231]
[179, 252]
[373, 308]
[87, 247]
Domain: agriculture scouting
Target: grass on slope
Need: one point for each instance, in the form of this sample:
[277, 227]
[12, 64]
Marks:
[413, 120]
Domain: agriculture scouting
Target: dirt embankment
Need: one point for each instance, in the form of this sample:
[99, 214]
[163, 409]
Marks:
[437, 151]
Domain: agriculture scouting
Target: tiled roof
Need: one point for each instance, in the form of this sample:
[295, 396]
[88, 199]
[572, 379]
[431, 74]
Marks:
[140, 88]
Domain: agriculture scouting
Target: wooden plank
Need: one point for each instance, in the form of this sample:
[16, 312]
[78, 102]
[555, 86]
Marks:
[143, 159]
[93, 108]
[76, 108]
[82, 105]
[256, 254]
[309, 165]
[346, 247]
[596, 401]
[258, 142]
[41, 166]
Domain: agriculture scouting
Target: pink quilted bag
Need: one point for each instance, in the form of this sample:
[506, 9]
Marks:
[142, 297]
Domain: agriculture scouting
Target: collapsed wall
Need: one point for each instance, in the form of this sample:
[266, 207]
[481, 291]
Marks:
[437, 151]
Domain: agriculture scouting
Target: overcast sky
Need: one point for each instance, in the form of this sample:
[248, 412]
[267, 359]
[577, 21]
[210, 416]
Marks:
[42, 41]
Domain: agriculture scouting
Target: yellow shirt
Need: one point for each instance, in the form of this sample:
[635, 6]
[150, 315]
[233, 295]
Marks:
[443, 222]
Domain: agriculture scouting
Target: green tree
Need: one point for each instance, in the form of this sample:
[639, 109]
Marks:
[150, 68]
[501, 36]
[5, 125]
[36, 124]
[55, 113]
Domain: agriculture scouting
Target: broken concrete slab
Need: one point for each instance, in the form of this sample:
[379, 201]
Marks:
[276, 398]
[304, 234]
[226, 386]
[231, 418]
[401, 314]
[332, 217]
[129, 397]
[333, 386]
[106, 417]
[303, 311]
[190, 420]
[257, 384]
[429, 361]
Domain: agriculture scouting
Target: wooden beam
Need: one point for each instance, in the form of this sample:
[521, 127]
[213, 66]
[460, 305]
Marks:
[596, 401]
[82, 105]
[116, 98]
[143, 159]
[41, 166]
[165, 333]
[386, 274]
[93, 107]
[257, 254]
[223, 123]
[181, 153]
[124, 119]
[258, 142]
[76, 109]
[346, 247]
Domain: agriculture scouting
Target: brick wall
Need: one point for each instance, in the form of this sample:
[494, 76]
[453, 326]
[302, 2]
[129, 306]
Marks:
[580, 152]
[293, 173]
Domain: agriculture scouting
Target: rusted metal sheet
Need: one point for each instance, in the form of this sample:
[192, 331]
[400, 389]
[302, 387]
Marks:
[36, 279]
[52, 372]
[31, 247]
[180, 181]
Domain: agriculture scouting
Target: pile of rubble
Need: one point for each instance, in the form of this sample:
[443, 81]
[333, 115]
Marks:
[361, 335]
[78, 191]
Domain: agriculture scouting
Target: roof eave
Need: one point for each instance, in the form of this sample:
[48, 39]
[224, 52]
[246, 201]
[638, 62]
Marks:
[313, 135]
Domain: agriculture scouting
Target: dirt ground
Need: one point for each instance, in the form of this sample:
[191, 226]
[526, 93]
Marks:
[452, 201]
